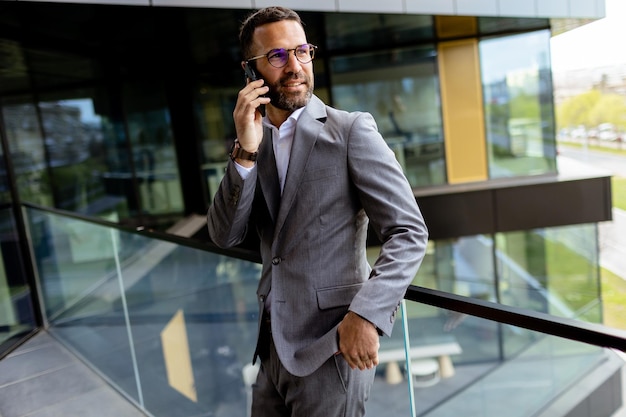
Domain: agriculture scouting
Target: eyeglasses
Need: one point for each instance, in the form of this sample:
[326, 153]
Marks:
[278, 58]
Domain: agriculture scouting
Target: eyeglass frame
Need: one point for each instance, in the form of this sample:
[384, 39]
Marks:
[312, 49]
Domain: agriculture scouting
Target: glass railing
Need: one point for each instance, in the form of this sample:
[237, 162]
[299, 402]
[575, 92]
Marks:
[172, 326]
[466, 365]
[548, 366]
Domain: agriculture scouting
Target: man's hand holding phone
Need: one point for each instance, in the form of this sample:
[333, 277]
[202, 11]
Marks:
[248, 118]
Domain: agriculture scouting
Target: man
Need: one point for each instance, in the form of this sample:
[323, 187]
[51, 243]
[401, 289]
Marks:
[308, 178]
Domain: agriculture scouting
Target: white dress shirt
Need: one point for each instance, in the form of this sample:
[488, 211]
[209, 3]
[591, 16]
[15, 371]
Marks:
[282, 140]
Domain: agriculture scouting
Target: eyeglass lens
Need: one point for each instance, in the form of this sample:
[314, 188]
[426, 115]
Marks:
[280, 57]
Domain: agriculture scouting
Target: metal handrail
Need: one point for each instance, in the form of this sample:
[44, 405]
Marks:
[572, 329]
[236, 252]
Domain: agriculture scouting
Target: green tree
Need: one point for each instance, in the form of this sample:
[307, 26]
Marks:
[611, 108]
[576, 111]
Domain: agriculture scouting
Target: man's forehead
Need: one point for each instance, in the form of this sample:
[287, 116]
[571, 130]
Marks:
[283, 34]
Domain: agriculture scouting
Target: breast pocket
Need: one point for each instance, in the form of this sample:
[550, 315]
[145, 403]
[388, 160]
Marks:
[333, 297]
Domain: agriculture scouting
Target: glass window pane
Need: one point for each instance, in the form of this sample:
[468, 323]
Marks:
[14, 76]
[77, 134]
[154, 156]
[494, 25]
[214, 113]
[16, 309]
[5, 183]
[551, 270]
[23, 131]
[95, 106]
[462, 266]
[400, 89]
[518, 104]
[358, 31]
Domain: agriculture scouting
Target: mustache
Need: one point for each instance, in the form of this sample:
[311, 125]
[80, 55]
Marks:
[294, 77]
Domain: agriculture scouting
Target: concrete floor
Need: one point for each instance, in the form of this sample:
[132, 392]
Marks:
[43, 379]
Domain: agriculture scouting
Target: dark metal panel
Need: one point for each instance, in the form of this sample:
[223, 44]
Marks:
[553, 204]
[458, 214]
[453, 212]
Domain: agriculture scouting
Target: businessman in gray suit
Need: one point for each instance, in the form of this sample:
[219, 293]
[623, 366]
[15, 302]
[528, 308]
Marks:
[309, 179]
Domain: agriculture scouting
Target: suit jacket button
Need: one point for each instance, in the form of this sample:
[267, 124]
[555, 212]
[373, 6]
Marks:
[276, 260]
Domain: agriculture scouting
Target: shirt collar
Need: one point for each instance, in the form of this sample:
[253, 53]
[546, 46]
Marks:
[295, 115]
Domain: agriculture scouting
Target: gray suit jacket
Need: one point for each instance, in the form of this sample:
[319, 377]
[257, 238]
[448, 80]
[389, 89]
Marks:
[341, 173]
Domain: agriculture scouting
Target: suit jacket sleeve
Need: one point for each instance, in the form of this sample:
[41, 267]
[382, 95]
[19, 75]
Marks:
[227, 218]
[388, 201]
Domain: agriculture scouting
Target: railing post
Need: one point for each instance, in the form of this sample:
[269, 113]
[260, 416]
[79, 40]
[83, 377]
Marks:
[127, 318]
[407, 349]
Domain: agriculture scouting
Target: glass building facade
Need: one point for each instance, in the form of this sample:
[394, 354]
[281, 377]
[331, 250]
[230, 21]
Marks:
[122, 116]
[92, 124]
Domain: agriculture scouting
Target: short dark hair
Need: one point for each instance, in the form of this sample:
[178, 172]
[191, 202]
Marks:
[260, 18]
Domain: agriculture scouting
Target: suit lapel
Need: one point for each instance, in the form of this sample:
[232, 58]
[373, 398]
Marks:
[308, 128]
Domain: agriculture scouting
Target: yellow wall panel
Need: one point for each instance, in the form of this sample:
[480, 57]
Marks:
[462, 111]
[177, 357]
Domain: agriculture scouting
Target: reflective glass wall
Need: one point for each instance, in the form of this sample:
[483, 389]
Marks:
[17, 310]
[519, 111]
[87, 110]
[400, 89]
[553, 270]
[373, 69]
[17, 317]
[71, 152]
[132, 121]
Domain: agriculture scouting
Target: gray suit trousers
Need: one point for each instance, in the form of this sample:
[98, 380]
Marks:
[333, 390]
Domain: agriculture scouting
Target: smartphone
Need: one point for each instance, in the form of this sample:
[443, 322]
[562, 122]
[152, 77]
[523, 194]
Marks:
[251, 75]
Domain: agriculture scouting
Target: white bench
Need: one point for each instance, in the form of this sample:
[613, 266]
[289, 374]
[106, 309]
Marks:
[441, 351]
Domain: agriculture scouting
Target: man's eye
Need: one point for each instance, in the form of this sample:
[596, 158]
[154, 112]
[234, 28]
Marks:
[277, 54]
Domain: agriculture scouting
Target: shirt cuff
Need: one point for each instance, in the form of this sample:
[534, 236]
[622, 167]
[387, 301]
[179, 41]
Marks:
[243, 171]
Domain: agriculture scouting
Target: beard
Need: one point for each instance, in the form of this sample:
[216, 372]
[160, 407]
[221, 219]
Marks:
[290, 101]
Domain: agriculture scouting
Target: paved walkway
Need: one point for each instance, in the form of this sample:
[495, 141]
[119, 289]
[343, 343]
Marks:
[43, 379]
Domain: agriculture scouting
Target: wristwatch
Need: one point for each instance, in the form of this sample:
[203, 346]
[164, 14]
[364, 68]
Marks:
[237, 152]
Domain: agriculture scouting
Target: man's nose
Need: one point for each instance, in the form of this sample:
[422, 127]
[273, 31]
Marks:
[293, 65]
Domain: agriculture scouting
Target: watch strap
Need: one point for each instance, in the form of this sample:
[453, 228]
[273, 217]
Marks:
[237, 152]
